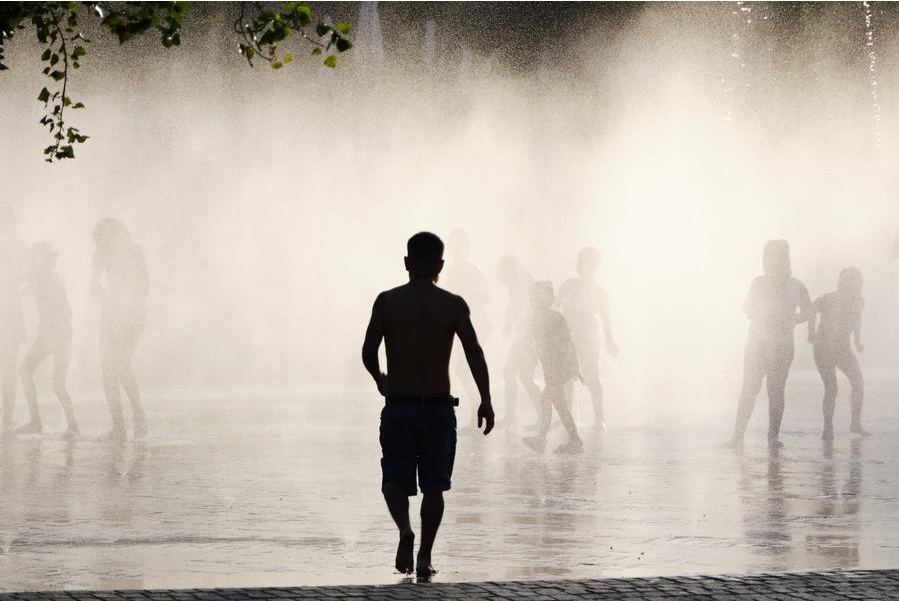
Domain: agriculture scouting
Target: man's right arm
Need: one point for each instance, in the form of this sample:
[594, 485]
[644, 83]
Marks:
[373, 336]
[478, 365]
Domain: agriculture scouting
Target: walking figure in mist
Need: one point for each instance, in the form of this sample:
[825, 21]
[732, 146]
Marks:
[418, 322]
[582, 300]
[771, 306]
[521, 362]
[121, 281]
[464, 278]
[54, 337]
[558, 358]
[840, 325]
[12, 318]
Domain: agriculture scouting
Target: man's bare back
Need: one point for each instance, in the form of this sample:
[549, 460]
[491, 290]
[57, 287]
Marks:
[418, 322]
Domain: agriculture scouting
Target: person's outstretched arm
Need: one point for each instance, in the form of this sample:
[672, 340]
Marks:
[474, 354]
[373, 336]
[812, 323]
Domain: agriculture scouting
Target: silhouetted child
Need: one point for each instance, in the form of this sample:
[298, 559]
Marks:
[558, 358]
[771, 306]
[582, 300]
[840, 325]
[54, 336]
[520, 362]
[121, 280]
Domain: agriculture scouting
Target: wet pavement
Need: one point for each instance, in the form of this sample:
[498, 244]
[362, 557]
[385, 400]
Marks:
[263, 490]
[821, 586]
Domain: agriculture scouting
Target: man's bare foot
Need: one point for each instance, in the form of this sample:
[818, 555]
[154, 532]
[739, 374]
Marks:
[423, 569]
[32, 427]
[141, 428]
[572, 447]
[404, 563]
[71, 433]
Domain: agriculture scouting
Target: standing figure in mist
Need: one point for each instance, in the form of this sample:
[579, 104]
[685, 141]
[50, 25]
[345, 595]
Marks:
[521, 362]
[840, 325]
[464, 278]
[54, 337]
[771, 306]
[558, 358]
[121, 281]
[418, 322]
[12, 318]
[582, 300]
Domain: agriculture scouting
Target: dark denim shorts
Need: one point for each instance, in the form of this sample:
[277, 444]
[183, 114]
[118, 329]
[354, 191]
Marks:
[418, 438]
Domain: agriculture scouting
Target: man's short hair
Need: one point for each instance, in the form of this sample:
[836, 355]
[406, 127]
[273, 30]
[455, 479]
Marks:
[424, 251]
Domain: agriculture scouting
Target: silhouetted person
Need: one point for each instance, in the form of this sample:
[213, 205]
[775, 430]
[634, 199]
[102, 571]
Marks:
[54, 337]
[558, 359]
[12, 318]
[840, 325]
[121, 281]
[463, 277]
[418, 322]
[771, 306]
[582, 300]
[521, 362]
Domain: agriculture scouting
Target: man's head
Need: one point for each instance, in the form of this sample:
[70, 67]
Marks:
[424, 256]
[588, 260]
[851, 281]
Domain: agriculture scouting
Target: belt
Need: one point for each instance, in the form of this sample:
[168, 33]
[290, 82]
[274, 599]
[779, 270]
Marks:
[440, 400]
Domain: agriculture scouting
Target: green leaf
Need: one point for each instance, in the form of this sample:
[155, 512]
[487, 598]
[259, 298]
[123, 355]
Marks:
[344, 28]
[78, 105]
[316, 51]
[78, 52]
[46, 54]
[44, 96]
[321, 30]
[330, 62]
[343, 45]
[287, 58]
[304, 14]
[277, 65]
[57, 75]
[54, 58]
[250, 53]
[65, 152]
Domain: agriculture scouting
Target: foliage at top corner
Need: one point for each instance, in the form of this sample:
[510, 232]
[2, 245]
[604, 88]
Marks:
[56, 26]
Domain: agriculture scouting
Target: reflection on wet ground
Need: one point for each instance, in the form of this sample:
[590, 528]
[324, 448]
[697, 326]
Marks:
[285, 491]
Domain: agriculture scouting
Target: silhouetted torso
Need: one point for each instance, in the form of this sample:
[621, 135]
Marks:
[53, 310]
[554, 347]
[127, 284]
[771, 306]
[581, 301]
[839, 315]
[419, 321]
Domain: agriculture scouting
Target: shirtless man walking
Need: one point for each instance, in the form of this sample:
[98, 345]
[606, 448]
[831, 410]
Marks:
[417, 322]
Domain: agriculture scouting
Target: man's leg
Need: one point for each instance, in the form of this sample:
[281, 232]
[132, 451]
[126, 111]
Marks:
[849, 366]
[431, 515]
[538, 442]
[556, 393]
[8, 385]
[35, 356]
[398, 505]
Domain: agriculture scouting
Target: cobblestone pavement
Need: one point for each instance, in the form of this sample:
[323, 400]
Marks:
[862, 584]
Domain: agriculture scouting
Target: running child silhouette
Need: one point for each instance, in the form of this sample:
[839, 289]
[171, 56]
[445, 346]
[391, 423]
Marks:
[558, 358]
[54, 337]
[839, 326]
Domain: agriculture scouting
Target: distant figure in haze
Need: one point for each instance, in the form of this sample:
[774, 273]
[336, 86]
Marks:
[462, 277]
[840, 325]
[12, 318]
[771, 306]
[582, 300]
[54, 337]
[418, 322]
[521, 362]
[121, 281]
[558, 358]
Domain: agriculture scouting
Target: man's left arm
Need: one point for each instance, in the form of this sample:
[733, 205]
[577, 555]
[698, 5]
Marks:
[373, 336]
